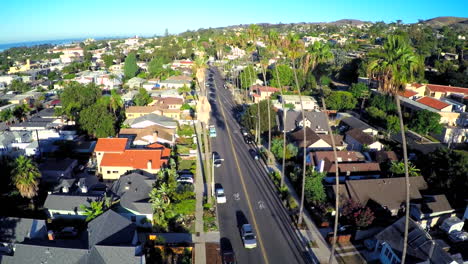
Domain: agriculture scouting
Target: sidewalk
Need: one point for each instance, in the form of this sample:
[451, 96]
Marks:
[198, 238]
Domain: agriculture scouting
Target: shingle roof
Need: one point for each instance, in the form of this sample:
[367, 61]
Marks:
[354, 122]
[434, 204]
[68, 202]
[432, 102]
[49, 252]
[387, 192]
[141, 109]
[356, 167]
[140, 133]
[318, 120]
[420, 243]
[113, 254]
[156, 119]
[14, 229]
[111, 144]
[110, 228]
[133, 191]
[361, 137]
[298, 137]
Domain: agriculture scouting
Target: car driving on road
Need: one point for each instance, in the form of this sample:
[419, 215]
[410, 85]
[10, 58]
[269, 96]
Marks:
[248, 236]
[217, 161]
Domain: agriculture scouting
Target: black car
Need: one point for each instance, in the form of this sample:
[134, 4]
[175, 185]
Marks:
[248, 139]
[254, 154]
[229, 257]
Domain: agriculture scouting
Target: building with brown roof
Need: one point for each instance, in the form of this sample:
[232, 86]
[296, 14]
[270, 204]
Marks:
[434, 103]
[115, 157]
[150, 134]
[351, 165]
[316, 142]
[358, 140]
[260, 93]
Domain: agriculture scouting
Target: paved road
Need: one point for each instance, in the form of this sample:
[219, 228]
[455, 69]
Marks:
[251, 196]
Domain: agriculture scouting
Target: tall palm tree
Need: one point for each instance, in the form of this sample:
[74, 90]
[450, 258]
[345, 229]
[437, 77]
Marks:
[264, 62]
[116, 101]
[393, 66]
[199, 66]
[320, 53]
[26, 177]
[296, 51]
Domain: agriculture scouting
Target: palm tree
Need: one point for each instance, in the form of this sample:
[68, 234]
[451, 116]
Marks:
[116, 101]
[95, 209]
[26, 177]
[320, 53]
[21, 111]
[393, 66]
[199, 66]
[295, 51]
[398, 168]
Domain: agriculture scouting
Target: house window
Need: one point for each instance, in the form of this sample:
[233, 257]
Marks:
[133, 218]
[108, 172]
[115, 172]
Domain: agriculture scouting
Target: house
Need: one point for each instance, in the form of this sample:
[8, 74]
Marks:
[135, 83]
[358, 140]
[132, 193]
[109, 238]
[115, 157]
[20, 67]
[53, 170]
[149, 135]
[421, 247]
[15, 143]
[317, 121]
[15, 230]
[351, 165]
[175, 82]
[292, 102]
[437, 91]
[431, 210]
[167, 106]
[384, 156]
[150, 120]
[316, 142]
[384, 196]
[260, 93]
[137, 111]
[66, 205]
[435, 104]
[353, 122]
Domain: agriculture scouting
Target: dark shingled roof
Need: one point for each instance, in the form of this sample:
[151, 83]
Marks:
[110, 228]
[48, 252]
[114, 255]
[133, 191]
[354, 122]
[360, 136]
[14, 229]
[68, 202]
[420, 243]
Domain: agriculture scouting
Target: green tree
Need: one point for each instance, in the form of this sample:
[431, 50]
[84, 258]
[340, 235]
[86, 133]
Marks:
[248, 77]
[393, 66]
[249, 118]
[6, 115]
[277, 149]
[142, 98]
[393, 124]
[95, 209]
[75, 97]
[446, 170]
[97, 121]
[360, 91]
[155, 67]
[26, 176]
[314, 190]
[21, 111]
[283, 74]
[108, 60]
[19, 86]
[184, 90]
[425, 122]
[130, 66]
[398, 168]
[340, 100]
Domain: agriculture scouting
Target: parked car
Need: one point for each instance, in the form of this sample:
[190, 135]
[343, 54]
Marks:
[229, 257]
[217, 159]
[248, 139]
[254, 154]
[185, 179]
[220, 195]
[244, 132]
[248, 236]
[67, 232]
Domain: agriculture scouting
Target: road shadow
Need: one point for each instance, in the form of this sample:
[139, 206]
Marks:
[241, 219]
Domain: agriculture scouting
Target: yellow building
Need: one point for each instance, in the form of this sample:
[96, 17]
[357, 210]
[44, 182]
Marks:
[20, 68]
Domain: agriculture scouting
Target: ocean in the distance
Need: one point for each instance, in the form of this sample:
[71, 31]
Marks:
[34, 43]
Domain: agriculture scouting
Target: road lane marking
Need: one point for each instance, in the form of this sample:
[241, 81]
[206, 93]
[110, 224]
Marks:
[236, 196]
[254, 221]
[261, 205]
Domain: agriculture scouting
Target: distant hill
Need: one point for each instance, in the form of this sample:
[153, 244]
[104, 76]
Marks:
[446, 21]
[347, 22]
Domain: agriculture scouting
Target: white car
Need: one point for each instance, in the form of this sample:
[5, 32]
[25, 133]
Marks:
[185, 179]
[220, 196]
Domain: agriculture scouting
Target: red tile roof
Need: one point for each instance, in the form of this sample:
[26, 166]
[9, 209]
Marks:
[408, 93]
[431, 102]
[417, 85]
[111, 144]
[445, 89]
[267, 89]
[137, 159]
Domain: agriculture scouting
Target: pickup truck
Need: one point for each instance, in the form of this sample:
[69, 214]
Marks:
[212, 131]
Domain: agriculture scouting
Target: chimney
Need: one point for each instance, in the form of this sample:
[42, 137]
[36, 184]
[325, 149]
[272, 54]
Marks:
[50, 235]
[155, 136]
[150, 162]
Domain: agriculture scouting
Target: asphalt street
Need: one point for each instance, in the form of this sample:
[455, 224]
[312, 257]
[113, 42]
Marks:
[251, 196]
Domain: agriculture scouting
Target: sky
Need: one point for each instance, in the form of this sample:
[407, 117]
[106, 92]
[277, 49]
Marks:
[33, 20]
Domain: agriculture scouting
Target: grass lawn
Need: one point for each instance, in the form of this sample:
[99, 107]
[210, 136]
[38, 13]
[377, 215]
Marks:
[186, 164]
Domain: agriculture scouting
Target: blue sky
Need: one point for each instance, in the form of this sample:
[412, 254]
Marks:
[30, 20]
